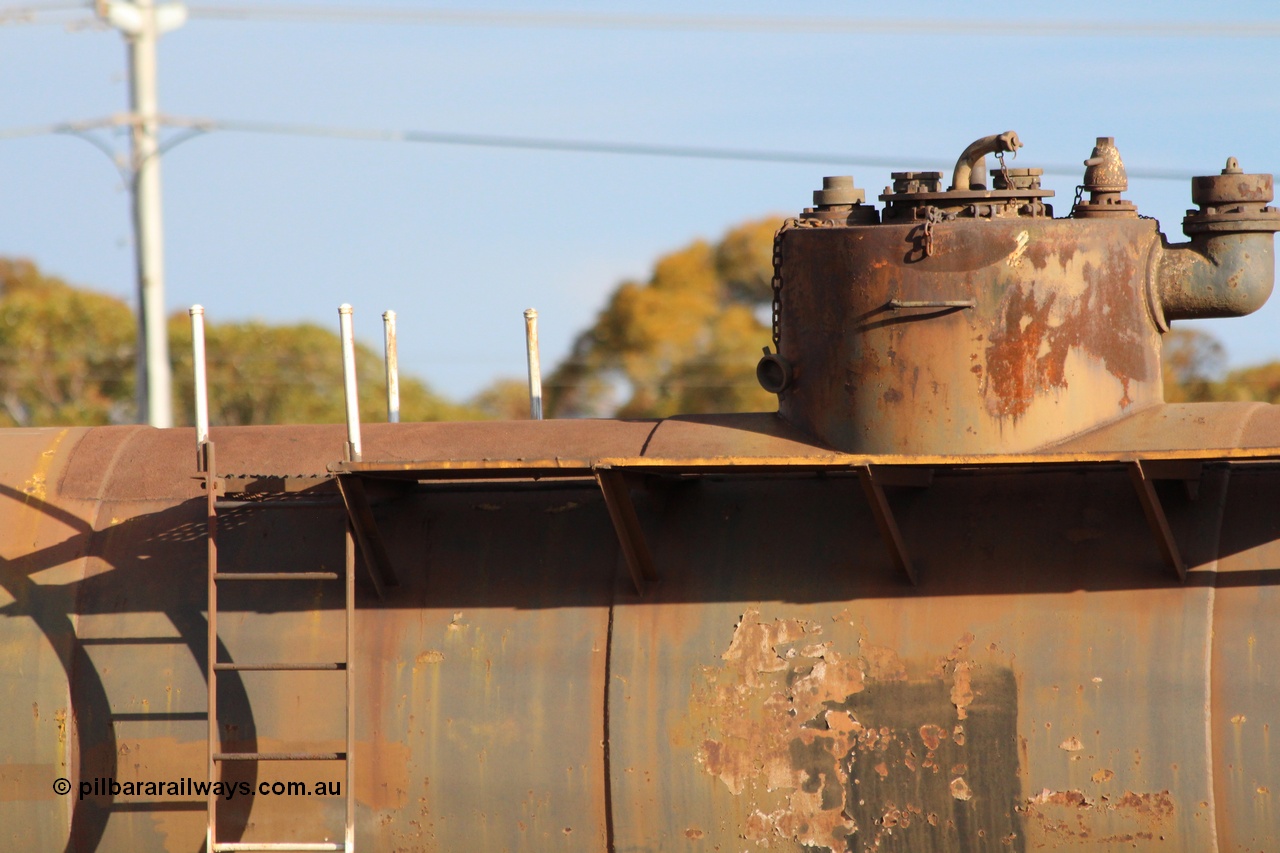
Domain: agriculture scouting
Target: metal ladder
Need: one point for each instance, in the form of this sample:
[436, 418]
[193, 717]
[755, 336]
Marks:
[215, 495]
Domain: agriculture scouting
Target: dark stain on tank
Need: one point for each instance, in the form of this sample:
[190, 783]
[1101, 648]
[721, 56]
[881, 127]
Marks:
[917, 769]
[877, 753]
[818, 765]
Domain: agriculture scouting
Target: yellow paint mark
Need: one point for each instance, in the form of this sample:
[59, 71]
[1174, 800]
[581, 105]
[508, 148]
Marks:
[1015, 257]
[37, 484]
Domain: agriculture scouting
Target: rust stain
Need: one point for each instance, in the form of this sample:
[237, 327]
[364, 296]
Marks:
[932, 735]
[1073, 817]
[1033, 336]
[787, 725]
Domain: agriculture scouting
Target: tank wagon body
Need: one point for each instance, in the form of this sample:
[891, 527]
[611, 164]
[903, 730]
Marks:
[975, 586]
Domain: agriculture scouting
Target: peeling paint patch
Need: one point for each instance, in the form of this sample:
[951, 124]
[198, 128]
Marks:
[1058, 817]
[847, 746]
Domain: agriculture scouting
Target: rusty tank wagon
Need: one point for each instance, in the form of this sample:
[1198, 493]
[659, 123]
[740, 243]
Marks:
[973, 587]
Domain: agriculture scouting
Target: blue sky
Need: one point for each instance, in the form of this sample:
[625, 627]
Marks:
[459, 240]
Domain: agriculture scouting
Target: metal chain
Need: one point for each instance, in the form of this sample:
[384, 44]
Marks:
[777, 284]
[1004, 170]
[932, 216]
[1079, 196]
[777, 271]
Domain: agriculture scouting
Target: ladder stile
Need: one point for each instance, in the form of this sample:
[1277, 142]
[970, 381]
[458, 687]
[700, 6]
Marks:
[214, 488]
[350, 548]
[211, 520]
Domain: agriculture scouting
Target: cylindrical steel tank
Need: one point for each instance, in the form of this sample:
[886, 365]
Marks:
[970, 319]
[1048, 683]
[1040, 679]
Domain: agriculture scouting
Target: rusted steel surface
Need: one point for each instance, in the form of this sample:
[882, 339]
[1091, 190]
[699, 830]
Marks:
[1046, 685]
[969, 319]
[1242, 718]
[925, 607]
[1032, 693]
[1059, 341]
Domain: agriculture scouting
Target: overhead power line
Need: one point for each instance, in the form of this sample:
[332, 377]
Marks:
[40, 13]
[192, 127]
[735, 23]
[31, 13]
[642, 149]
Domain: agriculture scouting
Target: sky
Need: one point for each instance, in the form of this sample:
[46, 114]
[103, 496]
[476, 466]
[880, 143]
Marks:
[459, 240]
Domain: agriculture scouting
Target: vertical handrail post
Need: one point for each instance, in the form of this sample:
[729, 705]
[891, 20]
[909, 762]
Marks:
[535, 369]
[201, 388]
[212, 736]
[393, 366]
[349, 383]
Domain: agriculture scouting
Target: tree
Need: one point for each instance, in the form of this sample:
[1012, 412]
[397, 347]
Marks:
[1192, 362]
[263, 374]
[504, 400]
[67, 358]
[687, 340]
[1194, 368]
[1261, 382]
[66, 354]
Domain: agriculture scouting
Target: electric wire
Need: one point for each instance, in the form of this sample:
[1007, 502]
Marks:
[193, 127]
[41, 13]
[586, 146]
[35, 13]
[735, 23]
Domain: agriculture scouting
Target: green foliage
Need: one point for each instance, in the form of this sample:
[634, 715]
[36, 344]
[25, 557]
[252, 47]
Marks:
[263, 374]
[67, 358]
[1195, 371]
[685, 341]
[504, 400]
[1192, 362]
[1260, 382]
[66, 355]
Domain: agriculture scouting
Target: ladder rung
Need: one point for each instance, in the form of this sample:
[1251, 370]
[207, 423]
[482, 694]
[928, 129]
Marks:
[287, 503]
[279, 845]
[277, 667]
[279, 756]
[276, 576]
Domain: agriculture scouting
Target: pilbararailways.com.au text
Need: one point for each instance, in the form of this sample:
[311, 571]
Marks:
[188, 787]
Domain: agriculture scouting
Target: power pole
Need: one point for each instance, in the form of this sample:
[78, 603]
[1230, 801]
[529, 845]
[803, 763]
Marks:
[142, 22]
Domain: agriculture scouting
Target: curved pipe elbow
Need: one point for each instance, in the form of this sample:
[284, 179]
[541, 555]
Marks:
[1221, 274]
[972, 159]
